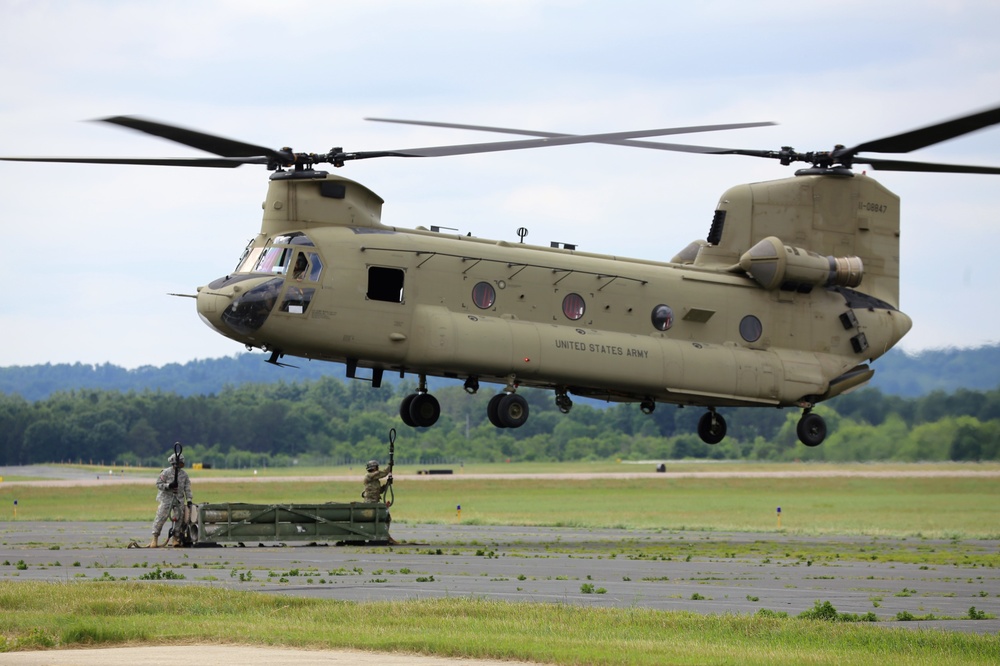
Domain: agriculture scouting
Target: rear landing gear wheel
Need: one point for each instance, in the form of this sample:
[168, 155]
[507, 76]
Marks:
[811, 429]
[404, 410]
[512, 410]
[424, 410]
[507, 410]
[711, 427]
[492, 410]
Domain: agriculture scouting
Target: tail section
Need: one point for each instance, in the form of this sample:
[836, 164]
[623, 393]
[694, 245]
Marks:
[831, 215]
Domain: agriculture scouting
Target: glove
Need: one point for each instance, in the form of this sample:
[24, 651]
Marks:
[190, 505]
[173, 485]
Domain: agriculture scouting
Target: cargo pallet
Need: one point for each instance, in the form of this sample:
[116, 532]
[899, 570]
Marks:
[279, 523]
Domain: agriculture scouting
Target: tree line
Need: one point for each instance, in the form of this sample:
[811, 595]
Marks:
[332, 421]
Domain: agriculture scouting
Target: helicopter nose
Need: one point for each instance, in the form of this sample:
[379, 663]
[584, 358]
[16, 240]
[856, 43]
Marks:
[211, 304]
[901, 326]
[237, 307]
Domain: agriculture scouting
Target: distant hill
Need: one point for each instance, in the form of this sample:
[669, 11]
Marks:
[896, 373]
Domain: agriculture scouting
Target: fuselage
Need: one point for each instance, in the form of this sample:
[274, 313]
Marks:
[326, 280]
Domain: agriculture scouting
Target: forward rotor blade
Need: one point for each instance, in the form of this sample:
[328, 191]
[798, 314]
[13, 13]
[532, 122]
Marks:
[655, 145]
[215, 162]
[905, 165]
[210, 143]
[928, 136]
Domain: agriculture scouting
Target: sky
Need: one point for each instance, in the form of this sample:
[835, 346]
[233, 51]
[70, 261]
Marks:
[93, 251]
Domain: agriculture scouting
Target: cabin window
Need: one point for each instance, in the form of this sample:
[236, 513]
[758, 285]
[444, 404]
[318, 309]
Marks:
[751, 328]
[385, 284]
[573, 306]
[662, 317]
[484, 295]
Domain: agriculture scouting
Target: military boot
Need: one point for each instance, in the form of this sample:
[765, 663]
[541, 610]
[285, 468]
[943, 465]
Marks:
[154, 542]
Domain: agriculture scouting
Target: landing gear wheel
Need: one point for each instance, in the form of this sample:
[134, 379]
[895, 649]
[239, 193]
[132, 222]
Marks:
[404, 410]
[811, 429]
[424, 410]
[711, 427]
[512, 410]
[564, 403]
[493, 410]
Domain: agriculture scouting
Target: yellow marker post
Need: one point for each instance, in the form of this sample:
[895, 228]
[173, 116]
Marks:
[15, 509]
[779, 517]
[459, 509]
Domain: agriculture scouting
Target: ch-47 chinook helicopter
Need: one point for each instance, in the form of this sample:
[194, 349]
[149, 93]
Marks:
[793, 292]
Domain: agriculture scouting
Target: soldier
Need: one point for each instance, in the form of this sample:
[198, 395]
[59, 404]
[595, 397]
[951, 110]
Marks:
[373, 489]
[173, 484]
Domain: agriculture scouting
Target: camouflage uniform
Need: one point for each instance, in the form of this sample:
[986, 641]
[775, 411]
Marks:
[373, 489]
[166, 495]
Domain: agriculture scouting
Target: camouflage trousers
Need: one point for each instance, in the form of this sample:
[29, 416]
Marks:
[163, 514]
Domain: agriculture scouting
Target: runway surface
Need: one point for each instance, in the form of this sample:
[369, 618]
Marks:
[589, 567]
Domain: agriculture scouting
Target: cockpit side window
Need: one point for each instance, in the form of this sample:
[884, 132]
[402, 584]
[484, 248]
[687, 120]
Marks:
[315, 267]
[308, 266]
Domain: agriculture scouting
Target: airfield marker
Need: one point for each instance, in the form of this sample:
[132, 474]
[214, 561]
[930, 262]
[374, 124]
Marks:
[779, 517]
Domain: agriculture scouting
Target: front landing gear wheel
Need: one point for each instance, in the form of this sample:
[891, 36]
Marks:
[711, 427]
[811, 429]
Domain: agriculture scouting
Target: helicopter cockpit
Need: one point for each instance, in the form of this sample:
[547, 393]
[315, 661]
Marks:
[296, 269]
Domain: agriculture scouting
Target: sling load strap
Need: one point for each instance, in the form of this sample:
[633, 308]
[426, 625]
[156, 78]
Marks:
[388, 495]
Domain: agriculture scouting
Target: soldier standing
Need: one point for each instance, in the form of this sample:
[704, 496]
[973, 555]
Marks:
[373, 489]
[173, 485]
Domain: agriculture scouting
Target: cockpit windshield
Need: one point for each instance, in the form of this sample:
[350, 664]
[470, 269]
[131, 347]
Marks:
[276, 256]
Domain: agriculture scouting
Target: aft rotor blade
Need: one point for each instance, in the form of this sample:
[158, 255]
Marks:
[928, 136]
[879, 164]
[558, 140]
[210, 143]
[678, 147]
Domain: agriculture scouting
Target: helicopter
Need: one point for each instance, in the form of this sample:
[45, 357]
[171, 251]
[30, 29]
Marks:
[787, 301]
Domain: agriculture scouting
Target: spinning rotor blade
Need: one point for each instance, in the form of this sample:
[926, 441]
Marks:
[928, 136]
[210, 143]
[679, 147]
[235, 153]
[216, 162]
[900, 143]
[906, 165]
[552, 139]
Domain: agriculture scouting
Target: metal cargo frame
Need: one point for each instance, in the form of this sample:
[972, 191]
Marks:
[277, 523]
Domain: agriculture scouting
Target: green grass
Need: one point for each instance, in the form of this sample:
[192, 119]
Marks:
[80, 614]
[940, 507]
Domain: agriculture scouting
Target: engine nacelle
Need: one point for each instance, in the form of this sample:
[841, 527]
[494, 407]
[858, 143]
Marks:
[775, 265]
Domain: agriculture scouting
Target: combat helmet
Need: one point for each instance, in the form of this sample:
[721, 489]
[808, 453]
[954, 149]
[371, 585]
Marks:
[175, 457]
[372, 465]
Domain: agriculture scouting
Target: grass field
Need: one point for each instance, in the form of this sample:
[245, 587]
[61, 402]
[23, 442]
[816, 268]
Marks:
[47, 615]
[962, 506]
[956, 507]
